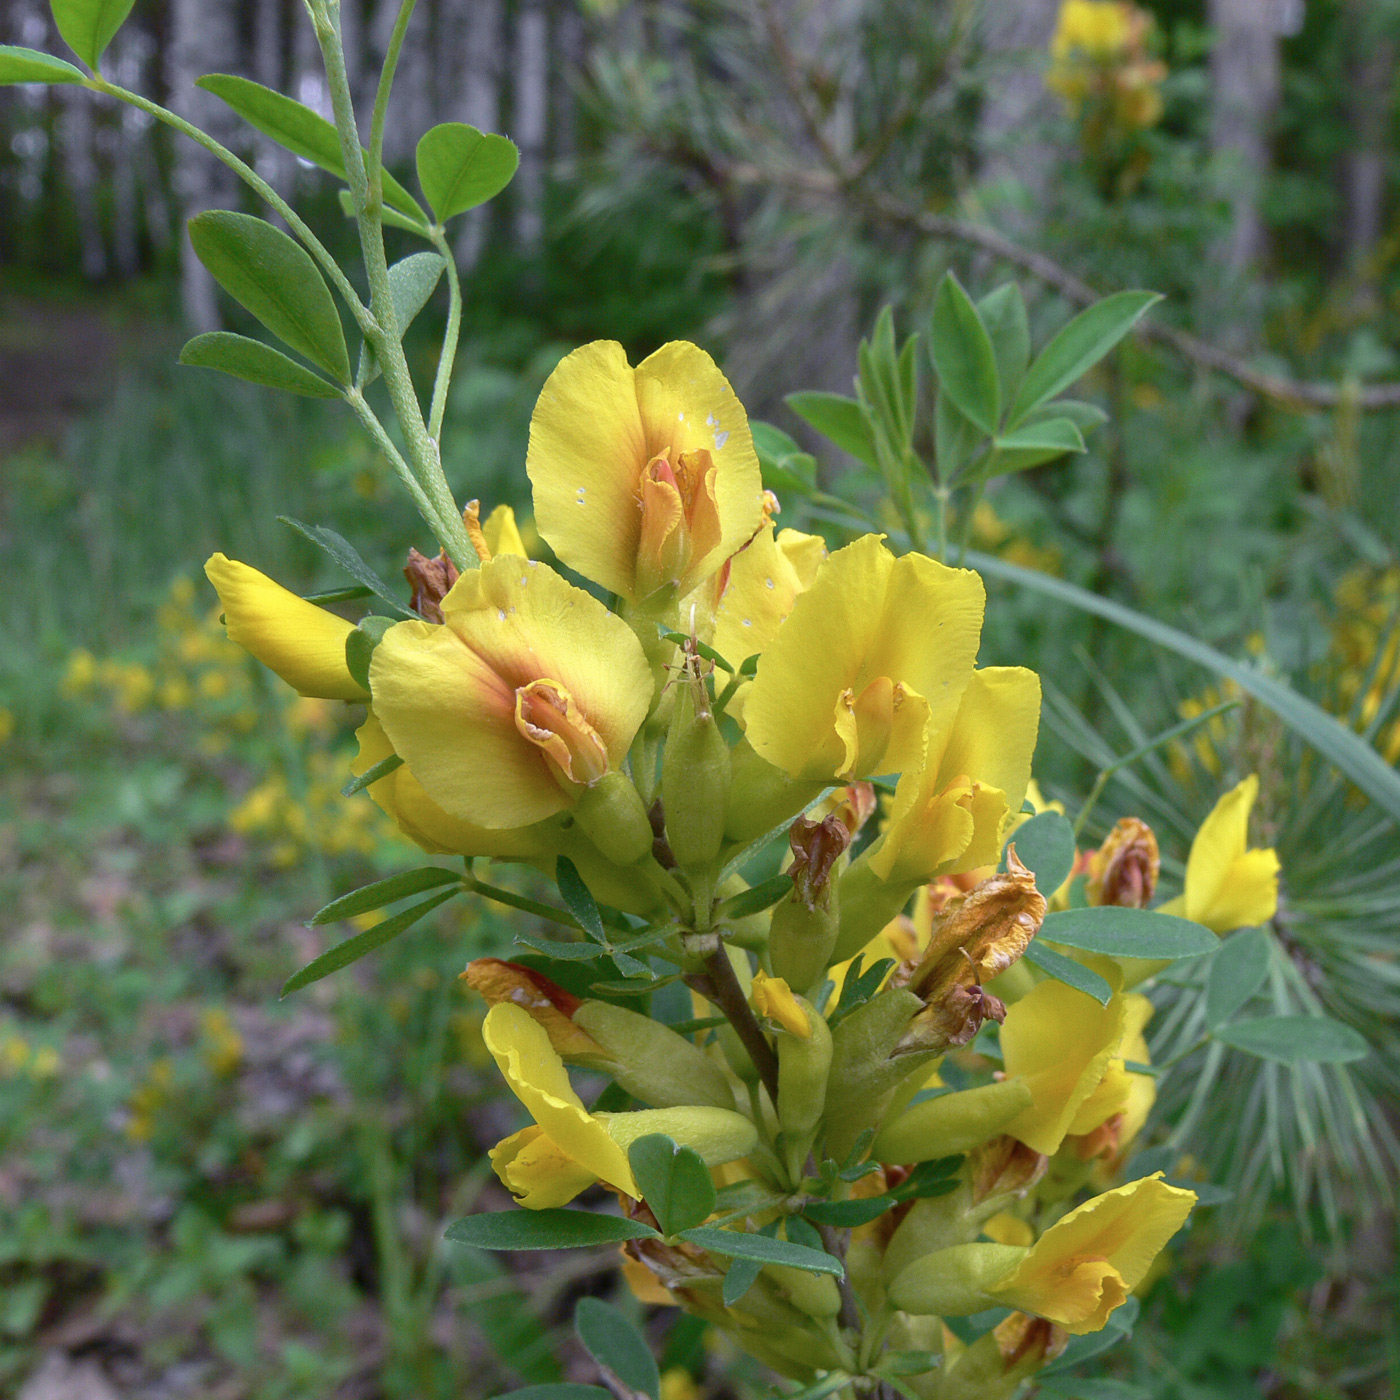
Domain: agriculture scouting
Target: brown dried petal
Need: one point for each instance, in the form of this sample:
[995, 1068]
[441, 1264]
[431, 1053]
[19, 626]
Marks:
[1004, 1166]
[547, 1002]
[430, 580]
[1023, 1339]
[1123, 871]
[816, 847]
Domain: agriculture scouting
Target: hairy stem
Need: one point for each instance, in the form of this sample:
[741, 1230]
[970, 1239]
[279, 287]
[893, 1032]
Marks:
[721, 986]
[450, 337]
[375, 171]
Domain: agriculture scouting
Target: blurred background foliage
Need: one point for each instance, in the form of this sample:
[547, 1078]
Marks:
[205, 1192]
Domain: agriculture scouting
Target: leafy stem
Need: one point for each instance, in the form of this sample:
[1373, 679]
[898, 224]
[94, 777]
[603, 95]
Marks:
[375, 171]
[450, 336]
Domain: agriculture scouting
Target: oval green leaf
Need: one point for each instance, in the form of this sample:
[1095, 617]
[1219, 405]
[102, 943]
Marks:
[963, 355]
[1237, 971]
[1066, 970]
[1003, 312]
[839, 418]
[460, 167]
[617, 1346]
[299, 130]
[1294, 1040]
[1128, 933]
[87, 26]
[249, 359]
[382, 892]
[674, 1182]
[738, 1245]
[558, 1390]
[18, 65]
[1032, 445]
[544, 1229]
[848, 1214]
[1079, 346]
[273, 276]
[353, 949]
[1045, 846]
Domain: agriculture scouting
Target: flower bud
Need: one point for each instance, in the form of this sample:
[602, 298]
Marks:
[803, 932]
[695, 776]
[717, 1134]
[610, 811]
[650, 1060]
[1004, 1167]
[804, 1061]
[953, 1282]
[1123, 871]
[951, 1123]
[814, 1294]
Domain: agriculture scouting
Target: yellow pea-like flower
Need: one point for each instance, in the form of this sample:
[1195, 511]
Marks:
[567, 1148]
[761, 584]
[527, 694]
[875, 651]
[645, 480]
[951, 812]
[302, 643]
[1228, 885]
[1088, 1262]
[1061, 1043]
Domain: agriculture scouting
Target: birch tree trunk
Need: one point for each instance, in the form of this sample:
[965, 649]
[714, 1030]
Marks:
[1244, 78]
[530, 116]
[203, 38]
[478, 101]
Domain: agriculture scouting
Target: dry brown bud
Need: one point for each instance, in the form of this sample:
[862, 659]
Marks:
[430, 580]
[816, 847]
[547, 1002]
[1123, 871]
[855, 805]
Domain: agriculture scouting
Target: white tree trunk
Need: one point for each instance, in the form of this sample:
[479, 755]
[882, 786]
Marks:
[530, 119]
[478, 101]
[1372, 65]
[204, 38]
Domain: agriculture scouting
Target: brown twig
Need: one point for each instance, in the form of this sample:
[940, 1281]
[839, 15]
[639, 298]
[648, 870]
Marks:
[721, 986]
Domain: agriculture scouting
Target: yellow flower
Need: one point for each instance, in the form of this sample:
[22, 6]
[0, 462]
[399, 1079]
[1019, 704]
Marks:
[80, 673]
[644, 479]
[951, 812]
[1099, 29]
[527, 694]
[761, 583]
[1229, 886]
[1088, 1262]
[304, 644]
[876, 650]
[772, 997]
[1061, 1043]
[502, 534]
[567, 1148]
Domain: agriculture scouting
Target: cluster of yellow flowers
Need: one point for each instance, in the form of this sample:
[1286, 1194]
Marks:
[1099, 64]
[1367, 646]
[744, 683]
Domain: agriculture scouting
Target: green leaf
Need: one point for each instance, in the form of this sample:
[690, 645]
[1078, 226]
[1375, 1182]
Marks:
[848, 1214]
[558, 1390]
[1352, 755]
[839, 418]
[1031, 445]
[674, 1181]
[785, 466]
[339, 595]
[348, 557]
[1003, 312]
[739, 1245]
[557, 948]
[392, 218]
[1294, 1040]
[301, 131]
[935, 1178]
[617, 1346]
[382, 892]
[1066, 970]
[372, 775]
[460, 167]
[955, 436]
[544, 1229]
[1079, 346]
[1094, 1389]
[909, 1363]
[739, 1278]
[1045, 846]
[1128, 933]
[578, 899]
[87, 26]
[249, 359]
[353, 949]
[963, 355]
[1237, 971]
[19, 65]
[1084, 416]
[273, 276]
[762, 896]
[412, 281]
